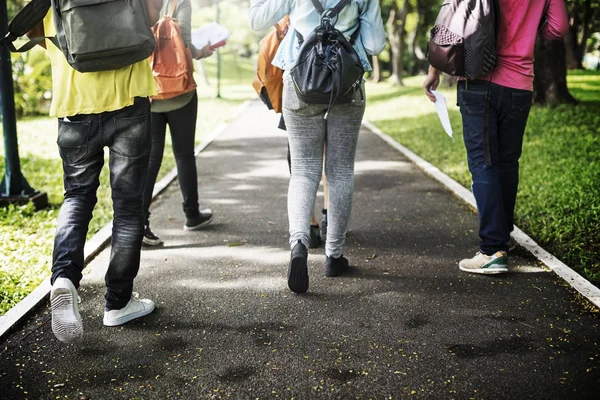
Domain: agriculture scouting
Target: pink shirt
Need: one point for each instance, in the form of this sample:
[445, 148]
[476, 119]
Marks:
[517, 29]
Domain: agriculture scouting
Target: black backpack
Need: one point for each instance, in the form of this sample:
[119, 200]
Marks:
[463, 38]
[328, 70]
[94, 35]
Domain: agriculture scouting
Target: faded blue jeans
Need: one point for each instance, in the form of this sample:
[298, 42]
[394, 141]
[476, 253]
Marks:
[307, 132]
[495, 183]
[81, 142]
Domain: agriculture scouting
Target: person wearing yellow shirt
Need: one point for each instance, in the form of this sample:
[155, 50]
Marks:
[96, 110]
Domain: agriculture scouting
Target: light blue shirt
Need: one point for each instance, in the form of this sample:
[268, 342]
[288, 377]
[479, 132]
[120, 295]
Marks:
[304, 18]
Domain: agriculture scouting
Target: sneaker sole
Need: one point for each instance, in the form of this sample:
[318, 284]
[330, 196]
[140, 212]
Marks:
[67, 325]
[298, 275]
[126, 318]
[150, 242]
[195, 228]
[496, 269]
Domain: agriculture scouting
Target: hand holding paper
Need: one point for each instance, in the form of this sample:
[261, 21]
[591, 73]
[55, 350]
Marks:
[212, 33]
[442, 111]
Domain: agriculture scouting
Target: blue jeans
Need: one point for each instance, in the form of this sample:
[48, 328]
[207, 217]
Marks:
[182, 124]
[495, 182]
[81, 142]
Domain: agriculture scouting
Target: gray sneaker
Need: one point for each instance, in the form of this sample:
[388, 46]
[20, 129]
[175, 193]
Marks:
[204, 218]
[482, 264]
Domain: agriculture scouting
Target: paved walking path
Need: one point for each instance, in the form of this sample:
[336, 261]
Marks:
[404, 323]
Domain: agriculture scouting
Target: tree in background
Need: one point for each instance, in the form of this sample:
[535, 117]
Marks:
[584, 20]
[396, 29]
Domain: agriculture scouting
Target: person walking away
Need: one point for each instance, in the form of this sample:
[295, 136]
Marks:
[502, 100]
[180, 114]
[96, 110]
[308, 130]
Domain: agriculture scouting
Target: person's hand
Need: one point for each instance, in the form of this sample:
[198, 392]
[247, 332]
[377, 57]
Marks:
[431, 82]
[204, 52]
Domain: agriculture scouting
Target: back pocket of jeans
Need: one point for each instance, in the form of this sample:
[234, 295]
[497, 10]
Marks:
[132, 137]
[473, 102]
[73, 137]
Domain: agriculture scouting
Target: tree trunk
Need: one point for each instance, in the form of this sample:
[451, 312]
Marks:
[394, 39]
[581, 21]
[376, 74]
[550, 68]
[397, 37]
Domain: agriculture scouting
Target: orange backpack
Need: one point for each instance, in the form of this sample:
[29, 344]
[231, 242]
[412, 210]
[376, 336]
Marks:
[268, 81]
[171, 61]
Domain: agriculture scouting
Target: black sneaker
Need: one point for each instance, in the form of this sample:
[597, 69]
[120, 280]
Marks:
[204, 218]
[335, 266]
[315, 237]
[150, 239]
[298, 269]
[324, 226]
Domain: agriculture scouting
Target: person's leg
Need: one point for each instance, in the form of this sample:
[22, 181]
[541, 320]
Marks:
[515, 111]
[325, 199]
[315, 234]
[306, 134]
[343, 126]
[493, 232]
[127, 134]
[182, 123]
[82, 157]
[158, 130]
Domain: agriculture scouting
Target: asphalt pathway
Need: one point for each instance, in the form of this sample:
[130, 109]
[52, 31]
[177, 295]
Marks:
[404, 323]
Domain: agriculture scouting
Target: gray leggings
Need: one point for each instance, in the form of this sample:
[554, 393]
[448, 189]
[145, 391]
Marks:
[307, 131]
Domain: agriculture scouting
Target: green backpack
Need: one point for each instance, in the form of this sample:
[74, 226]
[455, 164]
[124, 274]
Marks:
[94, 35]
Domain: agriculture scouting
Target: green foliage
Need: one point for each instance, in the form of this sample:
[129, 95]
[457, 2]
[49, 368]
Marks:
[559, 194]
[32, 82]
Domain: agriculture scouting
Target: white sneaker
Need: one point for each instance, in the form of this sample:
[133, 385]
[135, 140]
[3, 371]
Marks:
[136, 308]
[66, 321]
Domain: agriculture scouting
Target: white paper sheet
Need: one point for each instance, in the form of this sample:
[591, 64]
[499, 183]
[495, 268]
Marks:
[212, 33]
[442, 111]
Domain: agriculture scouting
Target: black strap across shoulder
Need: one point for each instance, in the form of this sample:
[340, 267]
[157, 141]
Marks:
[332, 13]
[31, 15]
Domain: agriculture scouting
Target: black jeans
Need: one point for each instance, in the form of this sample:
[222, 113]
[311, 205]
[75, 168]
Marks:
[182, 124]
[494, 186]
[81, 142]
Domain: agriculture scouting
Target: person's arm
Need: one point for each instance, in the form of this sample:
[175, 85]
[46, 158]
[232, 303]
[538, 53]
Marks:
[184, 18]
[372, 32]
[556, 24]
[431, 82]
[266, 13]
[153, 10]
[37, 31]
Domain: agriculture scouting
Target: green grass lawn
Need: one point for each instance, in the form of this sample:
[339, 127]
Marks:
[26, 235]
[559, 193]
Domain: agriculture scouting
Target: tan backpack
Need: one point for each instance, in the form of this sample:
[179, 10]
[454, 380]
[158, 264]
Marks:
[171, 61]
[268, 81]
